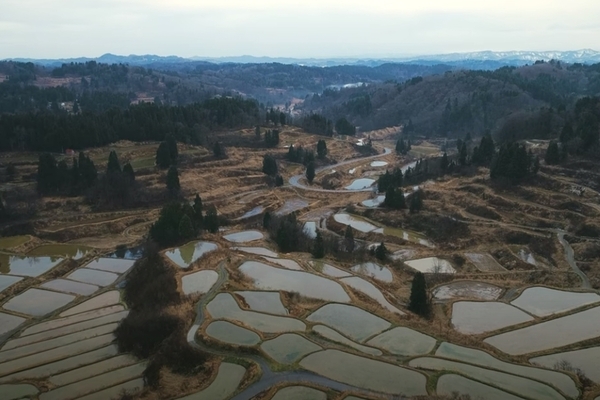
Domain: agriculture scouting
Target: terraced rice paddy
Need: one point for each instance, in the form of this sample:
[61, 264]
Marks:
[329, 270]
[9, 322]
[267, 302]
[285, 263]
[337, 337]
[299, 393]
[549, 335]
[118, 266]
[291, 206]
[588, 360]
[7, 281]
[370, 290]
[470, 317]
[559, 380]
[27, 266]
[431, 265]
[185, 255]
[67, 286]
[199, 282]
[228, 379]
[232, 334]
[374, 203]
[14, 392]
[243, 237]
[270, 278]
[360, 184]
[352, 321]
[450, 383]
[13, 241]
[467, 290]
[260, 251]
[403, 342]
[375, 271]
[73, 251]
[542, 302]
[103, 300]
[38, 302]
[93, 276]
[288, 348]
[365, 373]
[223, 306]
[504, 381]
[485, 262]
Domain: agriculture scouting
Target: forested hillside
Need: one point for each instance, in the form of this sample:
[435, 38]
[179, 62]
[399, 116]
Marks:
[455, 103]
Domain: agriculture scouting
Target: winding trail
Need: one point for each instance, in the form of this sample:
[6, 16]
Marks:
[269, 378]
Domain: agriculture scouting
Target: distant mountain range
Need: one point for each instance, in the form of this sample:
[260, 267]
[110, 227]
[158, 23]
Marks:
[474, 60]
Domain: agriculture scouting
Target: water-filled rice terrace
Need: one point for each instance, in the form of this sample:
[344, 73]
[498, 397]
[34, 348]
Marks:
[314, 329]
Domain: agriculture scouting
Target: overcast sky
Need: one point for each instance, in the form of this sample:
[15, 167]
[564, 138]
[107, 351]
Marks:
[292, 28]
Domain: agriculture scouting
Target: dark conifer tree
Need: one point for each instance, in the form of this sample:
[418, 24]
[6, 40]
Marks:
[198, 217]
[269, 166]
[349, 239]
[173, 181]
[211, 221]
[46, 173]
[319, 246]
[552, 154]
[381, 252]
[186, 229]
[267, 220]
[419, 301]
[163, 156]
[444, 163]
[172, 146]
[129, 172]
[321, 149]
[113, 167]
[310, 172]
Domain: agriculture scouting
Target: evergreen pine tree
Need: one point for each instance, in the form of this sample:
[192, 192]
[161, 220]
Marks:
[321, 149]
[463, 154]
[46, 173]
[186, 228]
[279, 180]
[198, 217]
[266, 220]
[319, 246]
[381, 252]
[416, 201]
[173, 181]
[552, 154]
[257, 132]
[349, 239]
[129, 172]
[444, 163]
[269, 166]
[113, 167]
[419, 302]
[172, 147]
[211, 221]
[310, 172]
[219, 150]
[163, 156]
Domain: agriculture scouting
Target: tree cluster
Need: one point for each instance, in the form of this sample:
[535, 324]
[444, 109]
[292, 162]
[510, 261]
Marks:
[394, 198]
[300, 155]
[276, 117]
[513, 163]
[484, 153]
[344, 127]
[321, 149]
[179, 222]
[403, 147]
[387, 180]
[269, 165]
[317, 124]
[167, 153]
[419, 300]
[58, 178]
[272, 138]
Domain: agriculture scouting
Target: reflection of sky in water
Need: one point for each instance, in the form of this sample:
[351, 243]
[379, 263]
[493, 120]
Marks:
[26, 266]
[133, 253]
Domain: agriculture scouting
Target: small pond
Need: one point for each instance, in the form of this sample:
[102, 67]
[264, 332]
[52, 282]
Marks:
[38, 302]
[512, 383]
[93, 276]
[337, 337]
[431, 265]
[352, 321]
[375, 271]
[310, 229]
[299, 393]
[551, 334]
[403, 341]
[267, 302]
[60, 250]
[373, 203]
[467, 290]
[471, 317]
[270, 278]
[288, 348]
[232, 334]
[370, 290]
[378, 164]
[67, 286]
[243, 237]
[543, 301]
[361, 184]
[186, 255]
[199, 282]
[27, 266]
[366, 373]
[224, 306]
[261, 251]
[329, 270]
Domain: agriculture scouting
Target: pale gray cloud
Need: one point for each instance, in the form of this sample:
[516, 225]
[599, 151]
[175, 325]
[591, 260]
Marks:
[308, 28]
